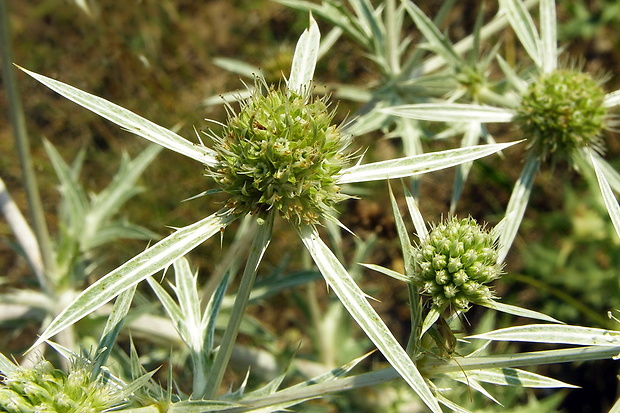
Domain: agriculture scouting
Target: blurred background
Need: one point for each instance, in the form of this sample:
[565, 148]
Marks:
[156, 59]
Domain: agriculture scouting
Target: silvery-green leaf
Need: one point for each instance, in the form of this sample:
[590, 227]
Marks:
[416, 215]
[514, 360]
[112, 328]
[555, 333]
[401, 229]
[280, 401]
[386, 271]
[129, 120]
[441, 45]
[430, 319]
[113, 231]
[548, 36]
[612, 99]
[229, 97]
[123, 186]
[334, 13]
[74, 199]
[237, 66]
[419, 164]
[472, 135]
[518, 311]
[452, 112]
[608, 196]
[6, 365]
[200, 406]
[512, 77]
[355, 301]
[154, 259]
[511, 377]
[328, 41]
[516, 206]
[523, 25]
[304, 59]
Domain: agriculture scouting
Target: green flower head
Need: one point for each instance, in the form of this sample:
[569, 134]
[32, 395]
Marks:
[281, 152]
[46, 389]
[454, 262]
[561, 112]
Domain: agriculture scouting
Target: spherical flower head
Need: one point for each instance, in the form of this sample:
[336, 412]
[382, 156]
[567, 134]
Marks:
[46, 389]
[454, 262]
[281, 152]
[561, 112]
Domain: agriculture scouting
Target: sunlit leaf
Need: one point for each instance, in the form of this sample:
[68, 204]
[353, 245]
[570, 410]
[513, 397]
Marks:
[355, 301]
[129, 120]
[418, 164]
[154, 259]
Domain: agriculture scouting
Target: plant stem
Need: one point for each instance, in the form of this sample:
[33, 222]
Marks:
[433, 367]
[16, 114]
[259, 245]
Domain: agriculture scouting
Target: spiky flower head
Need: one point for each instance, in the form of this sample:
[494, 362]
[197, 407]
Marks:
[561, 112]
[453, 264]
[46, 389]
[281, 152]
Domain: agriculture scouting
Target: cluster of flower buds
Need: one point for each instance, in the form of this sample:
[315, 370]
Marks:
[453, 264]
[44, 388]
[281, 152]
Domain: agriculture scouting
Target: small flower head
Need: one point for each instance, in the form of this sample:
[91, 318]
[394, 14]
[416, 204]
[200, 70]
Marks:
[46, 389]
[281, 152]
[561, 112]
[454, 262]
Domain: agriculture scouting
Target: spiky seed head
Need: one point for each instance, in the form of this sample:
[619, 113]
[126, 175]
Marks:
[561, 112]
[281, 152]
[454, 262]
[46, 389]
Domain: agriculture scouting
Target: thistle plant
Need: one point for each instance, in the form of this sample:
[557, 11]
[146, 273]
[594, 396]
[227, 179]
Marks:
[253, 138]
[562, 112]
[279, 155]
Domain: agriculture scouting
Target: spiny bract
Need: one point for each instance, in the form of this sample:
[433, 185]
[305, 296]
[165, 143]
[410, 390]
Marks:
[454, 262]
[281, 152]
[561, 112]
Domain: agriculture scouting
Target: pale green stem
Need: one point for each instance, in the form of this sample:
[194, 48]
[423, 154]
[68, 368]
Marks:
[259, 245]
[16, 114]
[435, 367]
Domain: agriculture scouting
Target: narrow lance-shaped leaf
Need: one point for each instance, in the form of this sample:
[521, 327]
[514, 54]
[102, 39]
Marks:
[524, 27]
[452, 112]
[6, 365]
[608, 196]
[441, 45]
[512, 377]
[418, 164]
[548, 36]
[304, 59]
[112, 329]
[154, 259]
[122, 187]
[129, 120]
[555, 333]
[516, 206]
[519, 311]
[355, 301]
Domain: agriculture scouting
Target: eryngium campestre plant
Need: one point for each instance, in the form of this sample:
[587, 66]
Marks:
[454, 262]
[562, 112]
[281, 151]
[44, 388]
